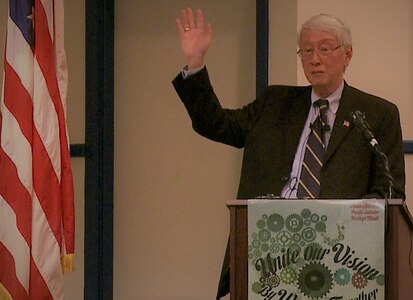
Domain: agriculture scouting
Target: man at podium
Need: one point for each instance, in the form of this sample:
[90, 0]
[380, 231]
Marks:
[325, 140]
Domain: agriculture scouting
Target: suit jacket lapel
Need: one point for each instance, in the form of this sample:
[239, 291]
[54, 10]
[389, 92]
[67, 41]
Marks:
[342, 123]
[298, 112]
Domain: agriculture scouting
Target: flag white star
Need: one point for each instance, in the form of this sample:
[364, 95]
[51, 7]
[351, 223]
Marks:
[31, 17]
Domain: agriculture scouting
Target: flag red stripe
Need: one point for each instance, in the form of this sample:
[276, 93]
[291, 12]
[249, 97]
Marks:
[45, 50]
[18, 100]
[16, 194]
[38, 287]
[8, 275]
[46, 186]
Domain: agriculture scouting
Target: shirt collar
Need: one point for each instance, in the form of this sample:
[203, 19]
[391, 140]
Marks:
[333, 98]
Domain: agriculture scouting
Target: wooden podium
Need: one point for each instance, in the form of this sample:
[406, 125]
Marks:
[399, 252]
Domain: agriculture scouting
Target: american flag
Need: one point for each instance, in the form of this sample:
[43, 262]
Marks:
[36, 183]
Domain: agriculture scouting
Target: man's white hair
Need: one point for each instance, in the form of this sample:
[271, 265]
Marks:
[328, 23]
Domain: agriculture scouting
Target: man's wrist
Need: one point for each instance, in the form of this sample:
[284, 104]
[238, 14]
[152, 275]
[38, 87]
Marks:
[186, 72]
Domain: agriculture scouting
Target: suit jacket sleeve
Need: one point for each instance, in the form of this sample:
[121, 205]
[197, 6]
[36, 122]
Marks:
[209, 119]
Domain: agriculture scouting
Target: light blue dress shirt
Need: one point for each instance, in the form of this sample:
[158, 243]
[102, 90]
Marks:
[290, 189]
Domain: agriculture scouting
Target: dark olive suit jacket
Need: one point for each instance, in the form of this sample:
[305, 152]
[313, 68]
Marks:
[269, 130]
[270, 127]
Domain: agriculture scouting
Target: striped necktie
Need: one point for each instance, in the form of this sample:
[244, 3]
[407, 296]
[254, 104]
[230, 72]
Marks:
[309, 184]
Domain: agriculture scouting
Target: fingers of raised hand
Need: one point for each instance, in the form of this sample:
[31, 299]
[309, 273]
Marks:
[187, 21]
[190, 16]
[200, 19]
[182, 28]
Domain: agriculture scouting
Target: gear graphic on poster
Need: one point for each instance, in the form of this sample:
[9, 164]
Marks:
[296, 237]
[314, 246]
[294, 247]
[315, 280]
[301, 263]
[274, 248]
[264, 280]
[381, 280]
[312, 251]
[342, 276]
[308, 234]
[257, 253]
[289, 275]
[261, 224]
[275, 222]
[256, 287]
[294, 223]
[264, 235]
[315, 218]
[332, 241]
[284, 238]
[320, 227]
[359, 280]
[256, 243]
[306, 213]
[265, 247]
[274, 280]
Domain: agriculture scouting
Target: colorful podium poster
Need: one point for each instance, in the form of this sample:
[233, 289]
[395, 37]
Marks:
[316, 249]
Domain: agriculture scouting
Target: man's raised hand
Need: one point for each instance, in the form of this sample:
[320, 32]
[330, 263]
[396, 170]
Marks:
[195, 37]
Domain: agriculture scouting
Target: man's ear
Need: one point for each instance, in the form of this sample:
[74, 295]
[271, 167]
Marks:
[349, 55]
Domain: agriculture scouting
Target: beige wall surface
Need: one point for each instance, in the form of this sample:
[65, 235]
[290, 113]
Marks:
[171, 185]
[282, 66]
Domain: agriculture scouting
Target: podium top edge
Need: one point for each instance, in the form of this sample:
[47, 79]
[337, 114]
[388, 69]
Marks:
[244, 202]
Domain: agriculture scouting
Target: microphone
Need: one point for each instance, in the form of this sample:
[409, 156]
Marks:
[364, 127]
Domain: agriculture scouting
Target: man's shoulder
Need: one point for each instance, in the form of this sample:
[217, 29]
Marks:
[366, 98]
[288, 91]
[294, 88]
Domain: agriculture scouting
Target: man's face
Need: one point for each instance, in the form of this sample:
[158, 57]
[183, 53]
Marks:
[325, 73]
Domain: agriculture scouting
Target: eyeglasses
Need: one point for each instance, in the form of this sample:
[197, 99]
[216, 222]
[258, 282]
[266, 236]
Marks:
[323, 51]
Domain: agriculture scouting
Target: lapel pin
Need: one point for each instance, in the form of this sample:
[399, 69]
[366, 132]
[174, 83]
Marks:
[346, 123]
